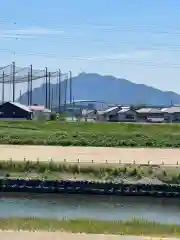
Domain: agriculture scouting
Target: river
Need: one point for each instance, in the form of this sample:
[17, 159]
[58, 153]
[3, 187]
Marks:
[95, 207]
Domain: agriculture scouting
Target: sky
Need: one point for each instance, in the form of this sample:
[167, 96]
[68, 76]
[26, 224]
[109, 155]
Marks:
[137, 40]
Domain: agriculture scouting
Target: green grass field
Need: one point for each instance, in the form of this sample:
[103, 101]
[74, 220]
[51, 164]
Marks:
[57, 171]
[133, 227]
[89, 134]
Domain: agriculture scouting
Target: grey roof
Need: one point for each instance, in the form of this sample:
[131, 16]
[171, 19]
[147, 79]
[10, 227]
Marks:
[149, 110]
[19, 105]
[111, 109]
[124, 110]
[173, 109]
[86, 111]
[100, 112]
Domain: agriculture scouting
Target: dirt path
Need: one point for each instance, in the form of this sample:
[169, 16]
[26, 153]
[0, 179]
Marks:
[87, 154]
[57, 236]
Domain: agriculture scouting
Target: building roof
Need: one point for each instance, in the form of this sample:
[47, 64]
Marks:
[111, 109]
[149, 110]
[39, 108]
[86, 111]
[173, 109]
[100, 112]
[124, 110]
[23, 107]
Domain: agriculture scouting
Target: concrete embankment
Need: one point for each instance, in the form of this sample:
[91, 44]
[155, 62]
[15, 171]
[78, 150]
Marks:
[88, 187]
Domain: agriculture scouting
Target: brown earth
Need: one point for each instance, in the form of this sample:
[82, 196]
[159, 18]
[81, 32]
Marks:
[87, 154]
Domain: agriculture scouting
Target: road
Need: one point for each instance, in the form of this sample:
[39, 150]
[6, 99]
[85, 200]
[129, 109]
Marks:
[5, 235]
[99, 155]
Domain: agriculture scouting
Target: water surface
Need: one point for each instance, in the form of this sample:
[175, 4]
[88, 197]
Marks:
[96, 207]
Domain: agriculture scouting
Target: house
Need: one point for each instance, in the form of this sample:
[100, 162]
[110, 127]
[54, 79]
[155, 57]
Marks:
[150, 115]
[89, 114]
[172, 114]
[117, 114]
[127, 115]
[40, 112]
[100, 116]
[14, 110]
[110, 114]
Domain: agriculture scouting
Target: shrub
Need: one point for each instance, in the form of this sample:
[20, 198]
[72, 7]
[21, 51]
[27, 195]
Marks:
[53, 117]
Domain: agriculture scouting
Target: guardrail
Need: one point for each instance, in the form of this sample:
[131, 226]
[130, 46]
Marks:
[106, 162]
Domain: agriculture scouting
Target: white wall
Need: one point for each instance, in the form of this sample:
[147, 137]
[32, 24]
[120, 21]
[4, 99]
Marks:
[122, 116]
[39, 115]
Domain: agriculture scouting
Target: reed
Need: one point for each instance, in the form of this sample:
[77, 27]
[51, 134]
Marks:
[132, 227]
[54, 170]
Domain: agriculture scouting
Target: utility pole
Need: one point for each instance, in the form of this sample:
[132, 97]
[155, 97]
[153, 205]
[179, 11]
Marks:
[70, 87]
[73, 113]
[13, 79]
[28, 88]
[3, 87]
[49, 90]
[65, 97]
[59, 91]
[46, 85]
[56, 92]
[31, 90]
[52, 97]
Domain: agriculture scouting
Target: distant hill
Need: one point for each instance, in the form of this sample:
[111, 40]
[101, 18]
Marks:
[107, 88]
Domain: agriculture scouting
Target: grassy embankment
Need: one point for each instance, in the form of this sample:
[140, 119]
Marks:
[89, 134]
[54, 171]
[133, 227]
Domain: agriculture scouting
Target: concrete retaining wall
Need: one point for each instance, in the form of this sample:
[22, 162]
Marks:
[88, 187]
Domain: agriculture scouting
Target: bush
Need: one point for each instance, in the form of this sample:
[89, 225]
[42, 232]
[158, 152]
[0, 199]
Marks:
[89, 134]
[53, 117]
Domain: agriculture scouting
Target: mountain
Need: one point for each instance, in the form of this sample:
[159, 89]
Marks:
[106, 88]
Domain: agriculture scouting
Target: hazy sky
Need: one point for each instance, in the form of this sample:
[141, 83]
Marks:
[138, 40]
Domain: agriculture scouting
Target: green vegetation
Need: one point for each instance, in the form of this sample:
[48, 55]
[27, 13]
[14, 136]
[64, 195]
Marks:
[54, 171]
[89, 134]
[133, 227]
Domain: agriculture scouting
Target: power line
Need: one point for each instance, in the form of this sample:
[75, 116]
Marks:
[104, 60]
[114, 27]
[108, 44]
[93, 26]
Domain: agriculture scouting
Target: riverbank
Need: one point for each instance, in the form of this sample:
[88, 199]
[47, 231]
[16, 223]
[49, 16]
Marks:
[8, 235]
[53, 170]
[9, 185]
[89, 134]
[132, 228]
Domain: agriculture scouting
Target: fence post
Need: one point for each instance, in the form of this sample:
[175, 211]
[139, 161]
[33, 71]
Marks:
[106, 161]
[119, 161]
